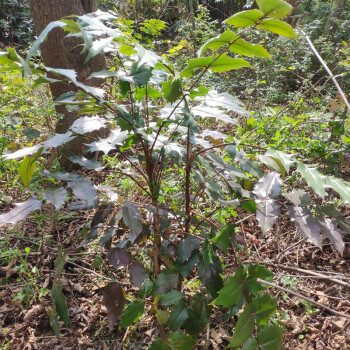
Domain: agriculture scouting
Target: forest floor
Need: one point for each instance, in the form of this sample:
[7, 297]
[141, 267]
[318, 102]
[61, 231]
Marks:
[27, 268]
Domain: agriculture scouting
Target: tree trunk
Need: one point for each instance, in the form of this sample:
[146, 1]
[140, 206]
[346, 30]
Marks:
[61, 52]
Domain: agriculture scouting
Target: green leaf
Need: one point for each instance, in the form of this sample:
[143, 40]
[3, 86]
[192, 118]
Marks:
[165, 282]
[264, 307]
[148, 91]
[244, 18]
[208, 253]
[127, 49]
[27, 166]
[340, 186]
[60, 303]
[178, 315]
[194, 323]
[54, 323]
[132, 313]
[255, 272]
[278, 27]
[270, 338]
[285, 158]
[232, 293]
[314, 178]
[186, 247]
[159, 344]
[244, 328]
[225, 237]
[201, 91]
[225, 63]
[141, 74]
[162, 317]
[250, 344]
[171, 298]
[181, 341]
[274, 8]
[197, 63]
[172, 90]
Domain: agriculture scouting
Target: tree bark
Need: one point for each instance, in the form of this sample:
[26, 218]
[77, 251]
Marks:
[61, 52]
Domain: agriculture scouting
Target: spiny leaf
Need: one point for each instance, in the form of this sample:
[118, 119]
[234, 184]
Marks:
[180, 341]
[132, 313]
[299, 197]
[267, 213]
[20, 211]
[306, 224]
[165, 282]
[278, 27]
[114, 299]
[85, 191]
[55, 196]
[171, 298]
[340, 186]
[285, 158]
[269, 186]
[264, 307]
[186, 247]
[90, 164]
[232, 293]
[244, 328]
[172, 90]
[314, 178]
[244, 18]
[84, 125]
[270, 338]
[330, 231]
[178, 315]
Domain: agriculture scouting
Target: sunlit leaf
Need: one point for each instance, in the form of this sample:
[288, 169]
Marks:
[84, 125]
[331, 231]
[55, 196]
[20, 211]
[244, 18]
[314, 178]
[274, 8]
[306, 224]
[278, 27]
[340, 186]
[26, 168]
[269, 186]
[85, 191]
[267, 213]
[90, 164]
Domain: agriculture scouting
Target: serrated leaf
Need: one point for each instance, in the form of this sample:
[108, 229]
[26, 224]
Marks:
[340, 186]
[267, 213]
[58, 140]
[55, 196]
[270, 338]
[132, 313]
[20, 211]
[299, 197]
[205, 111]
[132, 219]
[172, 90]
[244, 19]
[194, 64]
[137, 274]
[225, 237]
[159, 344]
[244, 328]
[171, 298]
[141, 74]
[27, 166]
[274, 8]
[232, 293]
[285, 158]
[178, 315]
[85, 191]
[278, 27]
[90, 164]
[180, 341]
[98, 47]
[84, 125]
[331, 231]
[255, 272]
[269, 186]
[186, 247]
[115, 138]
[119, 257]
[114, 299]
[60, 303]
[264, 307]
[165, 282]
[306, 224]
[314, 178]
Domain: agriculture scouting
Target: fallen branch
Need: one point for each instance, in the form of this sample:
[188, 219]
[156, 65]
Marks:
[285, 290]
